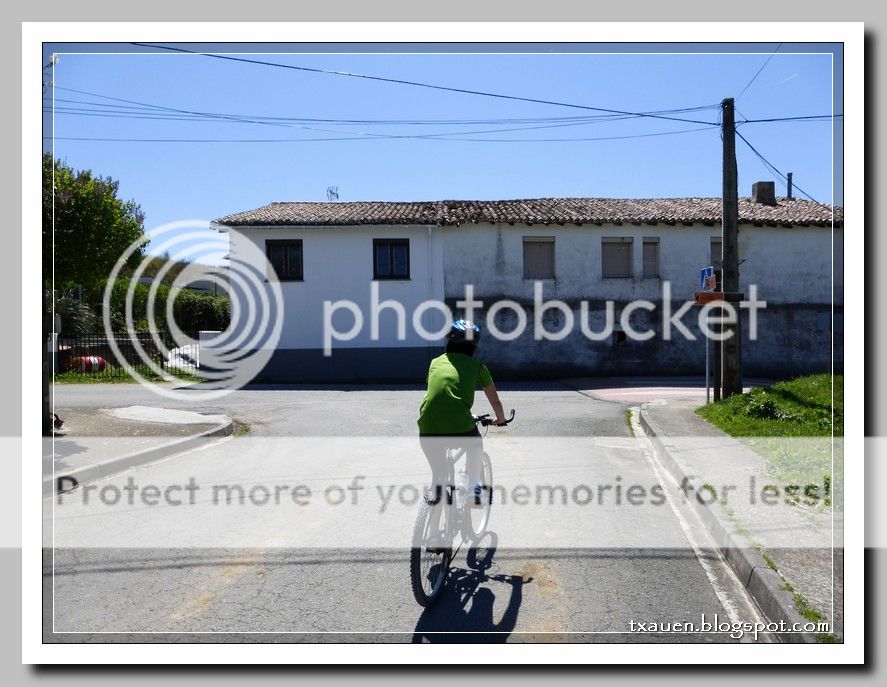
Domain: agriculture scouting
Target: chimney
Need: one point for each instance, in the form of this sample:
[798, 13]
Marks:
[764, 192]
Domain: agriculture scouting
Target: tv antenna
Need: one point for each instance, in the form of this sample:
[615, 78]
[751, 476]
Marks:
[332, 193]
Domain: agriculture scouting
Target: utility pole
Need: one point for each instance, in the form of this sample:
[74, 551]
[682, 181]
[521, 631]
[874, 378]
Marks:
[46, 334]
[731, 369]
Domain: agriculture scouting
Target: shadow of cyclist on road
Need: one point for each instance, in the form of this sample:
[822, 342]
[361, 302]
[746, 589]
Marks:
[466, 607]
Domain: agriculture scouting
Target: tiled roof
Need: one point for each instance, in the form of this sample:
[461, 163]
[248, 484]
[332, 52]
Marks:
[534, 211]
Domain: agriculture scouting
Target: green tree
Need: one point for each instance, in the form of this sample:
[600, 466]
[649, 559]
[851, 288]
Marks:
[152, 265]
[91, 229]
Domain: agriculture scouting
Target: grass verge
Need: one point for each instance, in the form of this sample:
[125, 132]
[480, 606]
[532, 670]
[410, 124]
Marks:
[800, 407]
[122, 378]
[790, 424]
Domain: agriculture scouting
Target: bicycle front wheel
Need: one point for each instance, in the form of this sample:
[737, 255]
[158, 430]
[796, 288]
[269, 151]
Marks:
[430, 554]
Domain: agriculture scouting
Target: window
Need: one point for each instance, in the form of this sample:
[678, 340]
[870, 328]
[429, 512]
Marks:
[651, 257]
[538, 257]
[391, 258]
[285, 257]
[616, 257]
[716, 252]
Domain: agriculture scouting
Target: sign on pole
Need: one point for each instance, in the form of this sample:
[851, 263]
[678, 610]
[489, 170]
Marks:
[707, 280]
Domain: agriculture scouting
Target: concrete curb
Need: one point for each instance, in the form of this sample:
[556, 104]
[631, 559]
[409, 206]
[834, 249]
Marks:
[91, 473]
[762, 582]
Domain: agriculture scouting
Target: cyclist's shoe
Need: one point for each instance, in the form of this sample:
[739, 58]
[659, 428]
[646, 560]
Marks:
[482, 496]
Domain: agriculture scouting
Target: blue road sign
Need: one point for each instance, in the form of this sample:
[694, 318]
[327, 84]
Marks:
[707, 280]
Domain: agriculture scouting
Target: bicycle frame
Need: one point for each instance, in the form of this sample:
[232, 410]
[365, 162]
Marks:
[428, 516]
[454, 455]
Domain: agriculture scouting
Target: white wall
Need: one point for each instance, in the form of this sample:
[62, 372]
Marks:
[788, 265]
[338, 264]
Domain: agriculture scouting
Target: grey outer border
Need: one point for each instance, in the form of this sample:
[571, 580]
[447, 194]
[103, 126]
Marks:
[400, 10]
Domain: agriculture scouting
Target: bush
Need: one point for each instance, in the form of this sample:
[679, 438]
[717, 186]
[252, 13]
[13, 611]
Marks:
[192, 310]
[759, 406]
[77, 317]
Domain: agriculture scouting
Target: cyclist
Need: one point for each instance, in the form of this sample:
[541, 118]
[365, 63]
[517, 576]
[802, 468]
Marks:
[446, 410]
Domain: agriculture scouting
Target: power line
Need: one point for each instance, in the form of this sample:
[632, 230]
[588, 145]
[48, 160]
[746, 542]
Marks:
[199, 115]
[253, 120]
[793, 119]
[161, 107]
[597, 138]
[766, 62]
[365, 138]
[134, 109]
[770, 166]
[147, 114]
[796, 118]
[153, 115]
[143, 109]
[162, 117]
[420, 84]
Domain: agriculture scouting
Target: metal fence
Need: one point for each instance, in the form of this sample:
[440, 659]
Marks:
[92, 354]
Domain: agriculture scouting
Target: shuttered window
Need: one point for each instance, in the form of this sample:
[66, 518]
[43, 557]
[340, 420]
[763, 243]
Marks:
[651, 257]
[538, 258]
[616, 257]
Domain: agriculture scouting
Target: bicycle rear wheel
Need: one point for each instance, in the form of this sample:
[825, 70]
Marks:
[479, 514]
[430, 555]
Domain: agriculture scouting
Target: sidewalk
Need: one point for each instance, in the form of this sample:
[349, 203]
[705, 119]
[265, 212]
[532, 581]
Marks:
[98, 442]
[785, 543]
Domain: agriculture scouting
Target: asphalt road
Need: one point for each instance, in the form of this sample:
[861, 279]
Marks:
[546, 408]
[313, 572]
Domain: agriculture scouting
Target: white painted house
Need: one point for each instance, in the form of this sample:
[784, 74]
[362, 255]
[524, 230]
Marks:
[580, 249]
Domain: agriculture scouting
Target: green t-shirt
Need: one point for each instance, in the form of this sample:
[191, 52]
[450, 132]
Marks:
[452, 380]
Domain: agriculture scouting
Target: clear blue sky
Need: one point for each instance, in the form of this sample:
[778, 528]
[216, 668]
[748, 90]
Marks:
[185, 180]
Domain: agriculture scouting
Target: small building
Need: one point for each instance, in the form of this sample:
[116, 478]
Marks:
[587, 251]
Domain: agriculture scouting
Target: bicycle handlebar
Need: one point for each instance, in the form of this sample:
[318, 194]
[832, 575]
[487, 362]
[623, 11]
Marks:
[486, 421]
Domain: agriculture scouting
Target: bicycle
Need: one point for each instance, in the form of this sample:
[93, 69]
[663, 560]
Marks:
[432, 544]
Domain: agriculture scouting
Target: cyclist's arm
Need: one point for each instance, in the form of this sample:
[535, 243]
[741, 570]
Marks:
[493, 398]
